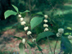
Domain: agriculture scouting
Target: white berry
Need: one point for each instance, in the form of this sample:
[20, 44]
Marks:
[46, 29]
[69, 37]
[61, 30]
[46, 16]
[45, 25]
[34, 39]
[21, 19]
[29, 33]
[23, 23]
[45, 21]
[23, 40]
[19, 15]
[26, 28]
[58, 34]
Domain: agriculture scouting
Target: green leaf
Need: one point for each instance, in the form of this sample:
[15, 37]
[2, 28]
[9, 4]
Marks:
[30, 44]
[69, 28]
[23, 14]
[26, 11]
[67, 44]
[19, 38]
[35, 22]
[66, 33]
[43, 35]
[39, 13]
[9, 13]
[15, 8]
[39, 48]
[21, 47]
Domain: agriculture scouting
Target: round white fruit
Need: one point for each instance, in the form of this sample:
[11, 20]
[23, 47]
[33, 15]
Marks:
[23, 23]
[45, 25]
[26, 28]
[29, 33]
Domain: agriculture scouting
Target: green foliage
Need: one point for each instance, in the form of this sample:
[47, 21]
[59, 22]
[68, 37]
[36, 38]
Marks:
[23, 14]
[9, 13]
[31, 44]
[67, 44]
[69, 28]
[43, 35]
[26, 11]
[35, 22]
[19, 38]
[39, 13]
[67, 33]
[15, 8]
[39, 48]
[21, 47]
[39, 29]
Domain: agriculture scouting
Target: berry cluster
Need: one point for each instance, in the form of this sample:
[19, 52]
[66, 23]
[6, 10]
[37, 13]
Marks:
[25, 27]
[60, 32]
[45, 25]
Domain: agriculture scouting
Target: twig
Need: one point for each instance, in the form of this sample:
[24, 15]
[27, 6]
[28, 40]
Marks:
[55, 46]
[49, 44]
